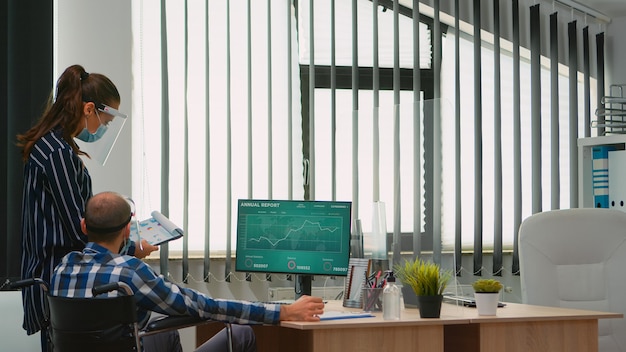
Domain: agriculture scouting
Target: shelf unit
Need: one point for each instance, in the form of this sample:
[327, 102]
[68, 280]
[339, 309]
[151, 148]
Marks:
[585, 145]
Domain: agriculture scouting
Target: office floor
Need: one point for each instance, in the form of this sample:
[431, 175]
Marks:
[12, 336]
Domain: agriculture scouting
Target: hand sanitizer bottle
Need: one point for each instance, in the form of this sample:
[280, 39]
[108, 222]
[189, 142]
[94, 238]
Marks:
[391, 299]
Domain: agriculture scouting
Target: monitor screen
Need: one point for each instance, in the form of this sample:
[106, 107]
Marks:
[293, 237]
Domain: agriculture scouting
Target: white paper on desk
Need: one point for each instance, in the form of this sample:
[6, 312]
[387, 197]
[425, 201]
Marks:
[337, 314]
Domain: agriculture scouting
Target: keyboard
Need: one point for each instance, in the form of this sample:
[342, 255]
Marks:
[465, 300]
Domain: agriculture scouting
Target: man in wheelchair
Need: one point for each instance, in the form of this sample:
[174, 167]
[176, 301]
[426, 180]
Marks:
[107, 225]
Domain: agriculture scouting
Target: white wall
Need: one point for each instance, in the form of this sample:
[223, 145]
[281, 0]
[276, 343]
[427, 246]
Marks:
[12, 336]
[97, 35]
[615, 50]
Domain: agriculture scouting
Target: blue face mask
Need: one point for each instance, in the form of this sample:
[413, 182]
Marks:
[89, 137]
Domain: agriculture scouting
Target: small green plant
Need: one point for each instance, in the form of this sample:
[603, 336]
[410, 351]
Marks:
[425, 278]
[487, 286]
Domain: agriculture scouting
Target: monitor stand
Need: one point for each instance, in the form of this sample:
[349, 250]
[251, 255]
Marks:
[303, 285]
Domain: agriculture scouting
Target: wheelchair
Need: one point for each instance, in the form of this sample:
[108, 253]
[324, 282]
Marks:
[102, 324]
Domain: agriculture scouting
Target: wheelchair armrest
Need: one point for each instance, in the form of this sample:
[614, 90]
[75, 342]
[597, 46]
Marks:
[112, 287]
[28, 282]
[21, 283]
[174, 322]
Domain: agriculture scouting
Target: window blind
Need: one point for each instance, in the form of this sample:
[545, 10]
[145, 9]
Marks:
[461, 177]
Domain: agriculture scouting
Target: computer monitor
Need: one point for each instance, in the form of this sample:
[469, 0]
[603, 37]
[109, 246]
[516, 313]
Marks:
[304, 238]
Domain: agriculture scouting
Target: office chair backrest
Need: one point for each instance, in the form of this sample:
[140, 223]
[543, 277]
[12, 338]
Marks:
[92, 324]
[576, 258]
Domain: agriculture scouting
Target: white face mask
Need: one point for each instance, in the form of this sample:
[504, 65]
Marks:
[89, 137]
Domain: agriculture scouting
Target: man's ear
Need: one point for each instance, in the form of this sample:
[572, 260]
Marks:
[127, 231]
[83, 226]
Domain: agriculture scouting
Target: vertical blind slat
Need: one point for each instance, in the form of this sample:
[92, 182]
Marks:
[436, 126]
[417, 121]
[478, 140]
[290, 173]
[517, 150]
[229, 186]
[600, 77]
[207, 167]
[457, 140]
[535, 107]
[185, 263]
[311, 102]
[586, 81]
[270, 141]
[333, 100]
[355, 108]
[555, 184]
[376, 102]
[497, 112]
[396, 136]
[573, 113]
[249, 97]
[165, 135]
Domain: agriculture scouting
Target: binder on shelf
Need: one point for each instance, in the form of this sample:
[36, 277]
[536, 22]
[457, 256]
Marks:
[617, 186]
[600, 174]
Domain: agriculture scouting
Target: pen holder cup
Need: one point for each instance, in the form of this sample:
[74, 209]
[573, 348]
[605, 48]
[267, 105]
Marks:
[372, 299]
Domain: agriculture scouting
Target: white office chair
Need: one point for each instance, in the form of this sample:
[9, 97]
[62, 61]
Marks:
[576, 258]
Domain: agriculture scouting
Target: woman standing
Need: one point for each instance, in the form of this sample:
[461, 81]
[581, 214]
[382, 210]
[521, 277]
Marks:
[57, 183]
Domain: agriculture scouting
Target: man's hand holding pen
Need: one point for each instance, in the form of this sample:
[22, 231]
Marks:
[144, 249]
[306, 308]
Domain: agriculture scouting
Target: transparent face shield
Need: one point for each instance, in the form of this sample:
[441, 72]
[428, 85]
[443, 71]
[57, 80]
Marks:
[100, 149]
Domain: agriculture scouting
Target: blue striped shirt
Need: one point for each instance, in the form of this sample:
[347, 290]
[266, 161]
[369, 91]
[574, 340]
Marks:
[95, 265]
[56, 187]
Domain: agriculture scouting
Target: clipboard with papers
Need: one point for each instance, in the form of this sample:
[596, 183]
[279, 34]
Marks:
[157, 229]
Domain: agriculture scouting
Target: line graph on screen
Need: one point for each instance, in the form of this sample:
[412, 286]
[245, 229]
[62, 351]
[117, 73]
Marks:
[294, 233]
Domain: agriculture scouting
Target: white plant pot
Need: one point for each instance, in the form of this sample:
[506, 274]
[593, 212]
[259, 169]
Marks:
[486, 303]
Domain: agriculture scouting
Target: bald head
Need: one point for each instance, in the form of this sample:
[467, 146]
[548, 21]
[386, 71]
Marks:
[106, 215]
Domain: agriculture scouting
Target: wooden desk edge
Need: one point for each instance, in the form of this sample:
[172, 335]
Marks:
[371, 322]
[543, 313]
[456, 315]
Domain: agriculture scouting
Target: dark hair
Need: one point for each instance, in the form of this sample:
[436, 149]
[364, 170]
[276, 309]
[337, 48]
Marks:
[106, 214]
[64, 109]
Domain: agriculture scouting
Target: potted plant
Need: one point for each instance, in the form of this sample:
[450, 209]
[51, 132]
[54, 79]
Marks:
[428, 282]
[486, 294]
